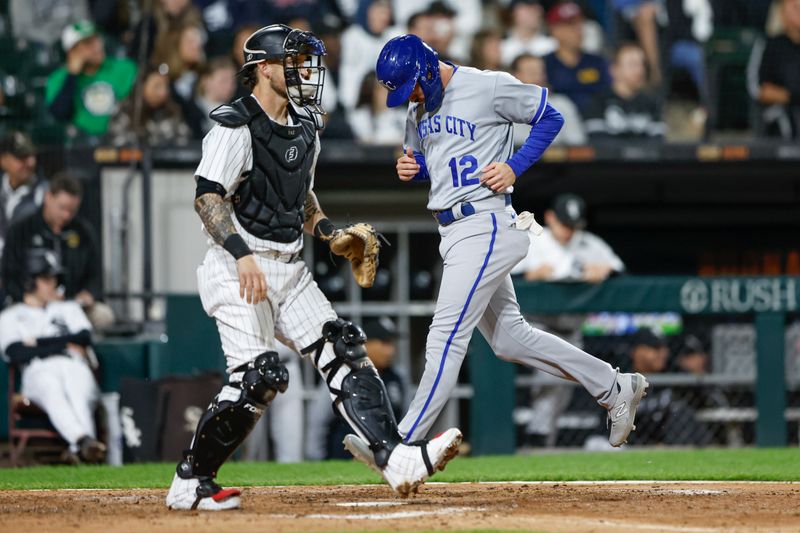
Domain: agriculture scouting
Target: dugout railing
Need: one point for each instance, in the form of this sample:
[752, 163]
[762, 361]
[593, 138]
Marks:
[767, 301]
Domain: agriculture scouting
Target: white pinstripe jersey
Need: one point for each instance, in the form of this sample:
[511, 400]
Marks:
[227, 158]
[22, 322]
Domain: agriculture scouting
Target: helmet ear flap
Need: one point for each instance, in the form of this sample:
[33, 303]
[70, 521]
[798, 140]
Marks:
[430, 79]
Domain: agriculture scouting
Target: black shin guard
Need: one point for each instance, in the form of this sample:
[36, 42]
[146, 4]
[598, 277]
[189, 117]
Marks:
[362, 396]
[232, 415]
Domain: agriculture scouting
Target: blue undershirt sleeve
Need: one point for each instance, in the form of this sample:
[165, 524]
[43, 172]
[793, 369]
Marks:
[542, 134]
[422, 175]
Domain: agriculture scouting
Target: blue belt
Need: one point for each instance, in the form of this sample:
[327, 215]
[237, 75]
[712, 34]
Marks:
[447, 216]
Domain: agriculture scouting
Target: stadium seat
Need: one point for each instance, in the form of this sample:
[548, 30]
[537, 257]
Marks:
[727, 55]
[26, 421]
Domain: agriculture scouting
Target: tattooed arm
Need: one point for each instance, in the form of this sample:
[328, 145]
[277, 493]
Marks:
[215, 216]
[316, 223]
[217, 220]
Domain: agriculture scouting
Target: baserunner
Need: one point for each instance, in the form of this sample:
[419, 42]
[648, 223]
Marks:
[459, 138]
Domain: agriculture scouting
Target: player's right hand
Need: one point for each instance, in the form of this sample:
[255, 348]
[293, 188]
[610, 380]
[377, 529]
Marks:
[407, 166]
[252, 282]
[75, 62]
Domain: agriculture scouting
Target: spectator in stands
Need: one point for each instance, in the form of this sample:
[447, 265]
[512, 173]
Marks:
[86, 91]
[160, 118]
[49, 340]
[469, 15]
[237, 55]
[42, 21]
[163, 28]
[690, 25]
[361, 44]
[56, 227]
[642, 15]
[527, 34]
[217, 86]
[372, 121]
[530, 69]
[329, 29]
[455, 21]
[222, 18]
[567, 252]
[649, 352]
[485, 50]
[625, 110]
[21, 190]
[693, 358]
[326, 430]
[571, 71]
[421, 25]
[779, 71]
[663, 417]
[443, 25]
[296, 13]
[434, 25]
[185, 62]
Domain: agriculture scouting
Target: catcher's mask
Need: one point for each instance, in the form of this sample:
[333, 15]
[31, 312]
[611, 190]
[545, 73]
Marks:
[301, 53]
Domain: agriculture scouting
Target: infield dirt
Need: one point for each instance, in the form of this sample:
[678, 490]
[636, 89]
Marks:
[617, 507]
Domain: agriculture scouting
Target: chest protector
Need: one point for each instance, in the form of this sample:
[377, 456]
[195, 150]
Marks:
[269, 201]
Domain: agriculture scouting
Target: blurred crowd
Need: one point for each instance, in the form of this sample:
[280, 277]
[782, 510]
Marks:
[149, 71]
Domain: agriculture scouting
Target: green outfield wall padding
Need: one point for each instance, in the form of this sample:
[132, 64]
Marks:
[193, 346]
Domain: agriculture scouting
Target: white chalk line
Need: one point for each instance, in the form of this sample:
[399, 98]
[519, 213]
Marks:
[606, 524]
[444, 483]
[371, 504]
[690, 492]
[383, 516]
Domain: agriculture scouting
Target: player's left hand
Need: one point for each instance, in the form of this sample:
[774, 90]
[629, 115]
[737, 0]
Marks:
[84, 298]
[596, 272]
[498, 177]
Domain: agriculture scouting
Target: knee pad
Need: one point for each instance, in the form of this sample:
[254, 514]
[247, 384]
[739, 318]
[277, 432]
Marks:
[265, 377]
[232, 415]
[362, 397]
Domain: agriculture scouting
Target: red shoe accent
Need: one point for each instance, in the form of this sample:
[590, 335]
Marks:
[224, 494]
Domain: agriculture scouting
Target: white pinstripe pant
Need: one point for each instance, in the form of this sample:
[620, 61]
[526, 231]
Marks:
[294, 312]
[64, 387]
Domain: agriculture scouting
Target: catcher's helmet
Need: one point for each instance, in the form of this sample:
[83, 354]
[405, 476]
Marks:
[278, 41]
[404, 61]
[40, 262]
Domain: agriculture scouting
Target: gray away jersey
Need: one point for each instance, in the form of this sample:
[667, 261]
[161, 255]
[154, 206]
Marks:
[471, 129]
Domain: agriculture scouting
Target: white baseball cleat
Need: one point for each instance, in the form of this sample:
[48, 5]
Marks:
[204, 495]
[361, 452]
[621, 415]
[411, 464]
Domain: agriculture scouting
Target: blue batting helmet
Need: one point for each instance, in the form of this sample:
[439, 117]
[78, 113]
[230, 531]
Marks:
[404, 61]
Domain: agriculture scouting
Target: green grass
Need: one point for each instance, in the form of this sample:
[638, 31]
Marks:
[772, 464]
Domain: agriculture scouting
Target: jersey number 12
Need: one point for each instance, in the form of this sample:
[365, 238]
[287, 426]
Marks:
[468, 164]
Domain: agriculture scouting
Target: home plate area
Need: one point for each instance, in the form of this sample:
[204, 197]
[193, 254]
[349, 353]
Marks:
[574, 507]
